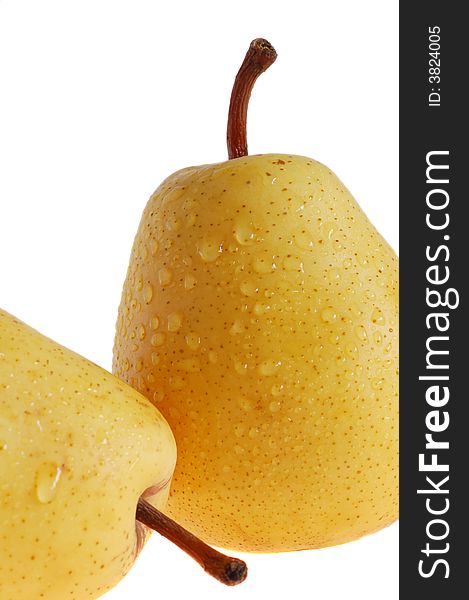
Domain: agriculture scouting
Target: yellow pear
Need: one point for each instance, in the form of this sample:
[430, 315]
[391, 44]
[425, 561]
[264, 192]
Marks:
[77, 449]
[260, 315]
[82, 455]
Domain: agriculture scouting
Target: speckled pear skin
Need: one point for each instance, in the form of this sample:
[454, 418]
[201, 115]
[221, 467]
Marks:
[77, 448]
[260, 314]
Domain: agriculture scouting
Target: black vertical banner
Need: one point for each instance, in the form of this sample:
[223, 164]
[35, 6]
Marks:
[434, 268]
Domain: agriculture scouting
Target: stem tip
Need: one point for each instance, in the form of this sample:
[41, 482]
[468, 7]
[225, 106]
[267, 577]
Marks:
[226, 569]
[259, 57]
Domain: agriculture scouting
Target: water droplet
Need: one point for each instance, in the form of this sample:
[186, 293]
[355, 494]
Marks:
[277, 389]
[193, 340]
[240, 367]
[328, 315]
[318, 349]
[245, 404]
[351, 350]
[191, 219]
[274, 406]
[213, 357]
[139, 365]
[260, 309]
[237, 327]
[144, 252]
[378, 338]
[189, 365]
[377, 383]
[264, 265]
[272, 443]
[337, 245]
[361, 333]
[328, 229]
[141, 332]
[174, 322]
[347, 263]
[377, 317]
[244, 233]
[293, 263]
[139, 287]
[155, 359]
[209, 249]
[189, 281]
[47, 481]
[154, 323]
[173, 224]
[256, 451]
[388, 348]
[190, 204]
[333, 275]
[165, 276]
[187, 261]
[154, 247]
[253, 432]
[157, 339]
[148, 293]
[226, 468]
[239, 431]
[303, 241]
[268, 367]
[158, 395]
[172, 194]
[238, 450]
[101, 436]
[176, 383]
[248, 288]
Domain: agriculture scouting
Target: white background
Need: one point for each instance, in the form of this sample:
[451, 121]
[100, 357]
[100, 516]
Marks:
[102, 99]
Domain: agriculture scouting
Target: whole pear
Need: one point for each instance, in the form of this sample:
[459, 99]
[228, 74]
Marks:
[260, 315]
[77, 449]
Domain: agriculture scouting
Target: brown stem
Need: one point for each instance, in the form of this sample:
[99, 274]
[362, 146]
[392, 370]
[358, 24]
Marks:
[259, 57]
[229, 571]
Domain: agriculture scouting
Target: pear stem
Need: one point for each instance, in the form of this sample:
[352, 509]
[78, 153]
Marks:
[226, 569]
[259, 57]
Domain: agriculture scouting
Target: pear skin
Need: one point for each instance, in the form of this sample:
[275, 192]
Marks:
[260, 315]
[77, 449]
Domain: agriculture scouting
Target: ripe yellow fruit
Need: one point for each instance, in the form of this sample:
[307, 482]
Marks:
[77, 449]
[260, 315]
